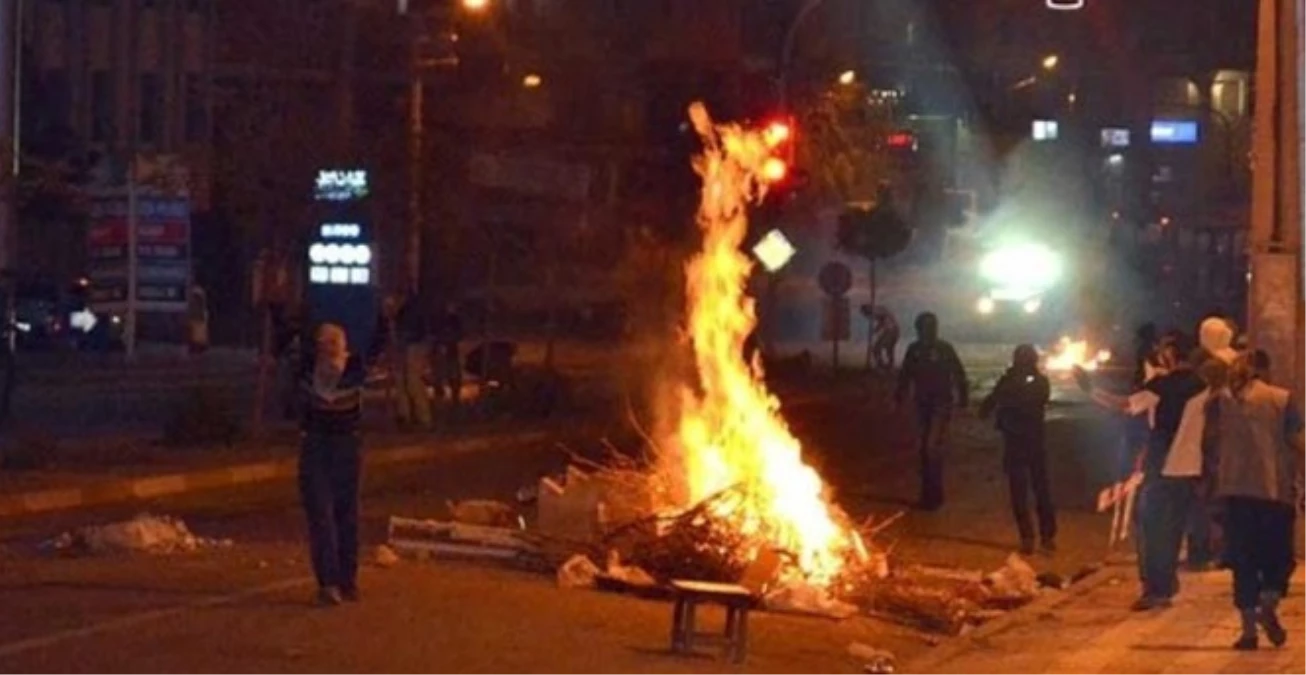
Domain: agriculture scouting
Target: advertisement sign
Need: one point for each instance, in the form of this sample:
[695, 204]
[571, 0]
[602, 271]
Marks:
[162, 251]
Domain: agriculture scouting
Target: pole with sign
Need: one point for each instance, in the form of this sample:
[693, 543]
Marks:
[836, 280]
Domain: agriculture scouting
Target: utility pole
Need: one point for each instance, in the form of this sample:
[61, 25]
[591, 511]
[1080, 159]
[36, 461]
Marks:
[416, 148]
[11, 15]
[1275, 305]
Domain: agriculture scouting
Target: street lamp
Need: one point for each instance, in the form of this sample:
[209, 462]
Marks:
[531, 81]
[1050, 62]
[786, 51]
[417, 132]
[847, 77]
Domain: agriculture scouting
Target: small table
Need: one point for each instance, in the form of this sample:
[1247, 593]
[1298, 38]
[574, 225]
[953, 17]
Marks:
[737, 601]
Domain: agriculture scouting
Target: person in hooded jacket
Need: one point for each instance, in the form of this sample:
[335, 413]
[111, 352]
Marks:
[933, 372]
[1020, 399]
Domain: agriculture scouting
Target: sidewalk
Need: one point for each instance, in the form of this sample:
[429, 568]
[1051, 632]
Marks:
[28, 493]
[1093, 631]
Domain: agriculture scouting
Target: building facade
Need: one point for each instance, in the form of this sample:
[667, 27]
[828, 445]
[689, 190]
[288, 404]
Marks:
[100, 81]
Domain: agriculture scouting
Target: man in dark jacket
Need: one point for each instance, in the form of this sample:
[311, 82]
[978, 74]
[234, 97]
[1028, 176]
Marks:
[331, 390]
[1020, 400]
[934, 374]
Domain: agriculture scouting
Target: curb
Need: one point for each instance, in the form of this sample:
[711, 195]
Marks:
[952, 647]
[162, 485]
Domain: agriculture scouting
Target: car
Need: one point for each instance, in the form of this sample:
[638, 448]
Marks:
[49, 317]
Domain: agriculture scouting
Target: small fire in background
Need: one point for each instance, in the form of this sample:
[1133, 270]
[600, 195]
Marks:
[1069, 353]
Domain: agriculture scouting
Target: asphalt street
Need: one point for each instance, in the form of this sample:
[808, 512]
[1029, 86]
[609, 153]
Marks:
[246, 609]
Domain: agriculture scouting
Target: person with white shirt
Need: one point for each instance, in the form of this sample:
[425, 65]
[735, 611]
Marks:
[1163, 500]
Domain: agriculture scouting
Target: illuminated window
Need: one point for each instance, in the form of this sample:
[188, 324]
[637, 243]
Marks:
[318, 274]
[339, 275]
[360, 276]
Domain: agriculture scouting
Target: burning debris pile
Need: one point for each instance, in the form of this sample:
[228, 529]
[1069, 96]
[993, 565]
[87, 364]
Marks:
[725, 494]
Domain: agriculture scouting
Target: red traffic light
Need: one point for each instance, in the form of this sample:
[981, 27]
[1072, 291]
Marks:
[777, 133]
[774, 170]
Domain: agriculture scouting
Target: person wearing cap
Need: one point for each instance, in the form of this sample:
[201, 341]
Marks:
[331, 390]
[1020, 400]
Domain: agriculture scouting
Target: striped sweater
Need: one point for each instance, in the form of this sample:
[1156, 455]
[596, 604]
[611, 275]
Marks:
[338, 411]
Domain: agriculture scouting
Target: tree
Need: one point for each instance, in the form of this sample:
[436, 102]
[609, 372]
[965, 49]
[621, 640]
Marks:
[873, 232]
[841, 142]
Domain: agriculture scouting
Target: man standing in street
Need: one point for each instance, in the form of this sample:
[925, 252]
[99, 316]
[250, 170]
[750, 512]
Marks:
[937, 380]
[330, 461]
[1020, 400]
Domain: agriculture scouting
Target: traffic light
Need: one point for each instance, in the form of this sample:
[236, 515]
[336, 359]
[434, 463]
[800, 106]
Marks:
[778, 135]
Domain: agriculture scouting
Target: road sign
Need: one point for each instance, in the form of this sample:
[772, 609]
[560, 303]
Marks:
[836, 279]
[774, 251]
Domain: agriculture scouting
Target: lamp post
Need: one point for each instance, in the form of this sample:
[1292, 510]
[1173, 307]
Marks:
[786, 51]
[418, 26]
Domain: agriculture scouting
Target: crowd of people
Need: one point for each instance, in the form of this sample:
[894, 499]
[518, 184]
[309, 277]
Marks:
[1221, 467]
[1218, 446]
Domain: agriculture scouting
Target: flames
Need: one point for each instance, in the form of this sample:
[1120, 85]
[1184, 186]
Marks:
[1069, 353]
[729, 433]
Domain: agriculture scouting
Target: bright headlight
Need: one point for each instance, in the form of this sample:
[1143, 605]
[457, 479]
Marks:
[1029, 266]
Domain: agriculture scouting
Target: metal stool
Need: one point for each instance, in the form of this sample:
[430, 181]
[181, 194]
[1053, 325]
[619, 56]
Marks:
[737, 601]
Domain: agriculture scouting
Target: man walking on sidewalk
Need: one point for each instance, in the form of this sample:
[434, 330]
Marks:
[933, 372]
[330, 462]
[1020, 400]
[1255, 430]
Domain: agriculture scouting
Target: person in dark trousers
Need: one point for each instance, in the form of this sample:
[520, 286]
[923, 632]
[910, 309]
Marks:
[1020, 400]
[331, 386]
[884, 337]
[1163, 502]
[448, 334]
[1256, 431]
[937, 380]
[412, 333]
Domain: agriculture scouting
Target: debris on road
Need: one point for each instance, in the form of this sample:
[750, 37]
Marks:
[881, 661]
[144, 533]
[578, 572]
[426, 537]
[484, 512]
[803, 598]
[385, 557]
[951, 601]
[1015, 583]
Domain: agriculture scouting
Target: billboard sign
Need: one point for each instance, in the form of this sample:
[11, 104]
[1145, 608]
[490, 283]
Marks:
[163, 252]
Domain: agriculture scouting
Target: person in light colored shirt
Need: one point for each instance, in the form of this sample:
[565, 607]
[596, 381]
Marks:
[1255, 431]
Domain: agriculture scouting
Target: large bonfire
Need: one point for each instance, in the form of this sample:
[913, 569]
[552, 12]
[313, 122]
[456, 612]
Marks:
[729, 436]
